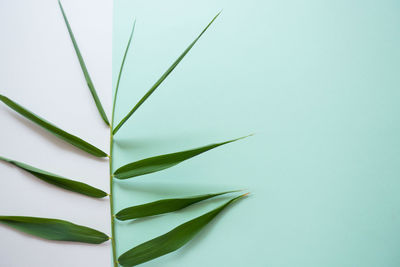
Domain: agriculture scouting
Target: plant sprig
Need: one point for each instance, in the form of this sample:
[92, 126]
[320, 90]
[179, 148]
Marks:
[60, 230]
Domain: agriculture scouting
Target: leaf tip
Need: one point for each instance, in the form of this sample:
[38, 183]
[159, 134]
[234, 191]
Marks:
[240, 138]
[245, 195]
[249, 135]
[215, 17]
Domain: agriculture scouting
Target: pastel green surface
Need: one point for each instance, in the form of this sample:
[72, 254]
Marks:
[317, 81]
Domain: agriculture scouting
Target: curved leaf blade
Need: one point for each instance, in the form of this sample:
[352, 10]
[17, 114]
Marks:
[72, 139]
[120, 72]
[170, 241]
[59, 181]
[162, 206]
[54, 229]
[162, 162]
[84, 69]
[162, 78]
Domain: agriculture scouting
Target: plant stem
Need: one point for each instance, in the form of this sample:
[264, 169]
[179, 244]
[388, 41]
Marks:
[112, 216]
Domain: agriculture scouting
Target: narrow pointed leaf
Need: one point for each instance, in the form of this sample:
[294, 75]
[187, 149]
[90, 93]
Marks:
[59, 181]
[121, 69]
[162, 162]
[170, 241]
[162, 78]
[84, 69]
[72, 139]
[54, 229]
[162, 206]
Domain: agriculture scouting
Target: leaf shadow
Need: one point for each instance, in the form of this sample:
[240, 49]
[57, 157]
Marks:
[127, 143]
[166, 189]
[142, 142]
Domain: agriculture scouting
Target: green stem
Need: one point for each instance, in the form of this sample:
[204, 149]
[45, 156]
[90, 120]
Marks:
[113, 237]
[112, 216]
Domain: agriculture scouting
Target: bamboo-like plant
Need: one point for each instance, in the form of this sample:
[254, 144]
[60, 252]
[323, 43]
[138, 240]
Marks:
[55, 229]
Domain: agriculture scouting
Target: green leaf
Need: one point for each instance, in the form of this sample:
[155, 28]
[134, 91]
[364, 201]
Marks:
[162, 78]
[162, 206]
[59, 181]
[121, 69]
[72, 139]
[84, 69]
[162, 162]
[54, 229]
[170, 241]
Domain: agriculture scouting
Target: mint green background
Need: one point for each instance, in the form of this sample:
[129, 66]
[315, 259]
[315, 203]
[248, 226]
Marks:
[316, 81]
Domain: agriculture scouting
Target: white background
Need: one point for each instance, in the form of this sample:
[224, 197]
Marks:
[39, 70]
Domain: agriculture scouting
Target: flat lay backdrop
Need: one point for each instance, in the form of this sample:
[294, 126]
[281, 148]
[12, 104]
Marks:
[316, 81]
